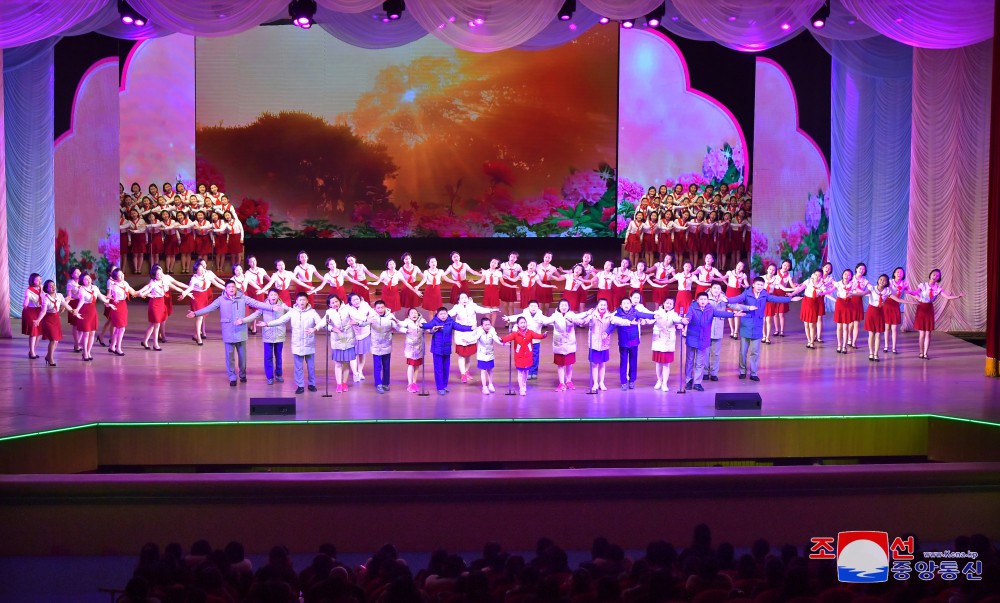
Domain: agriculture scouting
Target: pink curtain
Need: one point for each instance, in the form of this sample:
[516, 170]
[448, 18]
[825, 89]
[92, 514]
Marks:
[4, 250]
[621, 9]
[748, 25]
[949, 178]
[24, 21]
[928, 23]
[215, 18]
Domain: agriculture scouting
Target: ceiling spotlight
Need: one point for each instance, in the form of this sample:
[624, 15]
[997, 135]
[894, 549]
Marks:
[785, 27]
[129, 15]
[628, 23]
[567, 10]
[302, 12]
[820, 17]
[604, 20]
[654, 17]
[393, 9]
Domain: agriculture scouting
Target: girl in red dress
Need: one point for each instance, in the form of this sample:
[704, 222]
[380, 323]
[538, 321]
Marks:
[202, 229]
[891, 310]
[861, 284]
[924, 322]
[544, 291]
[410, 276]
[771, 283]
[684, 280]
[236, 232]
[844, 290]
[633, 236]
[72, 296]
[605, 280]
[811, 301]
[575, 288]
[334, 277]
[490, 280]
[623, 278]
[48, 322]
[136, 229]
[736, 283]
[508, 285]
[828, 280]
[156, 291]
[878, 295]
[357, 274]
[680, 228]
[118, 292]
[185, 231]
[660, 276]
[665, 234]
[528, 280]
[171, 239]
[200, 291]
[649, 233]
[783, 288]
[31, 309]
[432, 279]
[706, 274]
[389, 279]
[86, 307]
[305, 272]
[220, 240]
[458, 271]
[281, 281]
[154, 230]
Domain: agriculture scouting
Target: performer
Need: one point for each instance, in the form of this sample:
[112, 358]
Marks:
[861, 286]
[342, 342]
[650, 231]
[490, 279]
[486, 336]
[720, 302]
[31, 309]
[118, 291]
[48, 318]
[304, 273]
[136, 230]
[433, 278]
[784, 286]
[220, 240]
[382, 325]
[465, 312]
[665, 325]
[360, 315]
[575, 289]
[442, 326]
[598, 319]
[878, 295]
[843, 314]
[389, 279]
[563, 322]
[526, 288]
[282, 280]
[458, 272]
[827, 279]
[170, 231]
[200, 291]
[409, 296]
[662, 271]
[413, 347]
[811, 302]
[891, 311]
[633, 237]
[604, 280]
[622, 280]
[202, 230]
[523, 347]
[638, 280]
[304, 321]
[706, 274]
[156, 290]
[232, 309]
[73, 296]
[358, 274]
[924, 321]
[236, 235]
[273, 337]
[736, 283]
[753, 303]
[684, 281]
[86, 307]
[534, 317]
[185, 230]
[334, 277]
[699, 334]
[544, 289]
[154, 232]
[508, 286]
[628, 341]
[255, 279]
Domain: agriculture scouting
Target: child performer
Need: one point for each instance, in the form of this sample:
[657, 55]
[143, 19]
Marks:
[861, 286]
[523, 347]
[86, 307]
[157, 291]
[809, 313]
[665, 325]
[628, 341]
[342, 342]
[52, 303]
[534, 316]
[684, 293]
[736, 283]
[458, 272]
[598, 320]
[409, 296]
[200, 291]
[274, 338]
[633, 237]
[357, 273]
[31, 309]
[304, 321]
[844, 290]
[442, 326]
[413, 348]
[119, 292]
[544, 289]
[706, 274]
[508, 286]
[890, 311]
[564, 323]
[360, 314]
[304, 273]
[575, 290]
[334, 277]
[465, 312]
[486, 336]
[661, 273]
[490, 279]
[433, 279]
[383, 323]
[878, 295]
[527, 280]
[827, 279]
[924, 321]
[389, 279]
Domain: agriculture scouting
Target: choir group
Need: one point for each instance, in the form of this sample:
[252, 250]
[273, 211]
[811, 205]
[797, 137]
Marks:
[409, 300]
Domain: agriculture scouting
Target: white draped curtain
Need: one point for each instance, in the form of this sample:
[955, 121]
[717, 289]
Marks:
[484, 25]
[4, 257]
[948, 178]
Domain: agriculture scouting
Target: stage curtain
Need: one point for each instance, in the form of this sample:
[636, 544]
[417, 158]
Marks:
[4, 250]
[842, 24]
[363, 31]
[928, 23]
[28, 123]
[870, 169]
[748, 25]
[993, 227]
[674, 22]
[215, 18]
[504, 24]
[349, 6]
[948, 178]
[559, 32]
[621, 9]
[23, 22]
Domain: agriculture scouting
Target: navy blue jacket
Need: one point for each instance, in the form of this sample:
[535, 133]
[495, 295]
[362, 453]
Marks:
[628, 335]
[441, 340]
[699, 329]
[752, 325]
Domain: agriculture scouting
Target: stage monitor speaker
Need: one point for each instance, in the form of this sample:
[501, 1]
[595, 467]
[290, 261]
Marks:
[737, 401]
[272, 406]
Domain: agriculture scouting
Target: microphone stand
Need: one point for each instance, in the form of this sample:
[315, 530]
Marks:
[683, 334]
[326, 367]
[510, 365]
[423, 365]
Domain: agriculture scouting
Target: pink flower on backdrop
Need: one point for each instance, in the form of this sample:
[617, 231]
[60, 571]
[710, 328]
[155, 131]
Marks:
[585, 186]
[208, 174]
[738, 158]
[813, 212]
[499, 172]
[362, 212]
[714, 165]
[565, 223]
[794, 234]
[670, 182]
[687, 179]
[630, 191]
[555, 200]
[758, 242]
[499, 199]
[620, 225]
[607, 213]
[533, 211]
[109, 247]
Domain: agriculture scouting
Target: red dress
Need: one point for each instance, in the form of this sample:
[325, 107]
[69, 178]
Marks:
[527, 292]
[359, 275]
[187, 238]
[137, 240]
[924, 320]
[432, 292]
[633, 238]
[171, 244]
[202, 239]
[874, 319]
[407, 298]
[51, 326]
[462, 286]
[255, 282]
[491, 289]
[235, 246]
[507, 292]
[544, 295]
[684, 296]
[30, 314]
[221, 243]
[390, 295]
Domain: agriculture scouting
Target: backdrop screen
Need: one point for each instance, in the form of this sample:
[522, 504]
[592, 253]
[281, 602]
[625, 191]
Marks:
[310, 136]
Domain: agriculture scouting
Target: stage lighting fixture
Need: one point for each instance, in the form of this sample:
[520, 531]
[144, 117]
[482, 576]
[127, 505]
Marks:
[820, 17]
[129, 15]
[654, 17]
[604, 20]
[567, 10]
[302, 12]
[393, 9]
[628, 23]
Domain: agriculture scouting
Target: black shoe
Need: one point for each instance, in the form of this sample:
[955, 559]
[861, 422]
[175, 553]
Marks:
[743, 376]
[631, 385]
[300, 390]
[689, 383]
[232, 384]
[714, 378]
[754, 378]
[100, 342]
[243, 379]
[32, 356]
[119, 353]
[144, 346]
[698, 388]
[312, 388]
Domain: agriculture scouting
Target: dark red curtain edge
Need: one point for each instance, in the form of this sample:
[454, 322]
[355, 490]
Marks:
[993, 221]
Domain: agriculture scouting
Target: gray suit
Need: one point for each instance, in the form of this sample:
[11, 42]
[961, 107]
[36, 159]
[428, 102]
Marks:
[234, 336]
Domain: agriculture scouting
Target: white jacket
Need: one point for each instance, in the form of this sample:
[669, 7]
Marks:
[413, 349]
[466, 315]
[344, 340]
[563, 331]
[382, 328]
[485, 341]
[303, 344]
[599, 339]
[665, 330]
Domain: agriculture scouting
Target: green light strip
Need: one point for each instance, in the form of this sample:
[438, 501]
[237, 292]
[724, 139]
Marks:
[47, 432]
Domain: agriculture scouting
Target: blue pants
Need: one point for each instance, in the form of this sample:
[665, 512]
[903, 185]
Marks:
[272, 359]
[628, 363]
[381, 369]
[536, 353]
[442, 366]
[240, 349]
[310, 365]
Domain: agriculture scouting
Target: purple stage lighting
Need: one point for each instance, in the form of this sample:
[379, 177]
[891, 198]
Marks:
[127, 19]
[479, 21]
[628, 23]
[604, 20]
[785, 27]
[129, 15]
[653, 22]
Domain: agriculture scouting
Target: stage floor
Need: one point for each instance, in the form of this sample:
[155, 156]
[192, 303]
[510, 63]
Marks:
[187, 383]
